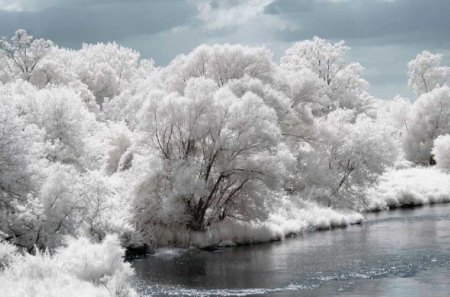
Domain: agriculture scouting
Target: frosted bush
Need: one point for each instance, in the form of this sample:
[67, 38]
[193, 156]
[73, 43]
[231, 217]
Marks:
[92, 262]
[441, 151]
[82, 268]
[7, 253]
[409, 187]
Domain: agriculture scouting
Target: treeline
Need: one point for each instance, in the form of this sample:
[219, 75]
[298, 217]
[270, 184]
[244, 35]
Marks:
[98, 140]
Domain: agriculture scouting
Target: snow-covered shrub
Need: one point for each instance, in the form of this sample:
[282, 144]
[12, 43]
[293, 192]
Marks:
[7, 253]
[104, 207]
[82, 268]
[409, 187]
[441, 151]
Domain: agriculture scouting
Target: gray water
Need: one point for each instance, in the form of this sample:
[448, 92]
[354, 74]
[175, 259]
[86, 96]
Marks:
[396, 253]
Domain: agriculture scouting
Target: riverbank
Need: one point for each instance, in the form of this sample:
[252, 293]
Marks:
[398, 253]
[72, 268]
[409, 187]
[406, 187]
[292, 216]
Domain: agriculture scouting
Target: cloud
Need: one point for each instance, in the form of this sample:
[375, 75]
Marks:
[227, 13]
[31, 5]
[383, 34]
[16, 5]
[72, 22]
[398, 21]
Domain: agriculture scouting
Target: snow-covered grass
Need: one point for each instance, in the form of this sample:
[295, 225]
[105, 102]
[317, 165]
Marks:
[80, 269]
[293, 216]
[7, 253]
[410, 187]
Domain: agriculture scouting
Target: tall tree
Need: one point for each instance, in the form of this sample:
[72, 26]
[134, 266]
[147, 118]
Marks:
[216, 150]
[426, 73]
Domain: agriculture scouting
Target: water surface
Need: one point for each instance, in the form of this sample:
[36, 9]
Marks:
[396, 253]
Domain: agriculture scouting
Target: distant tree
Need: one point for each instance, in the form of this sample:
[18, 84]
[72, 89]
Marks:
[343, 83]
[429, 118]
[323, 58]
[55, 68]
[105, 68]
[21, 54]
[426, 73]
[395, 113]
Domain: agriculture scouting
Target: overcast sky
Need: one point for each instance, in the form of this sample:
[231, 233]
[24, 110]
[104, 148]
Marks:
[383, 34]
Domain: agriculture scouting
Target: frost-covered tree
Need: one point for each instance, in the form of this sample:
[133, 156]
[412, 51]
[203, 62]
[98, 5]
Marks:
[44, 216]
[59, 203]
[21, 54]
[323, 58]
[15, 173]
[14, 153]
[100, 206]
[55, 68]
[426, 73]
[103, 67]
[429, 118]
[343, 83]
[60, 112]
[217, 150]
[308, 90]
[346, 158]
[394, 113]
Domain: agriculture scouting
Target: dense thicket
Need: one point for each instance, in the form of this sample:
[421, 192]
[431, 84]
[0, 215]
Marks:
[99, 141]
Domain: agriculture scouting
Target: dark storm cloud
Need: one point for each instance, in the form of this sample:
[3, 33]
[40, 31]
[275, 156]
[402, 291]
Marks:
[70, 23]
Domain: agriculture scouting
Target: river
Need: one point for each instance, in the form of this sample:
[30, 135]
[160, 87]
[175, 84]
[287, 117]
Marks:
[394, 253]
